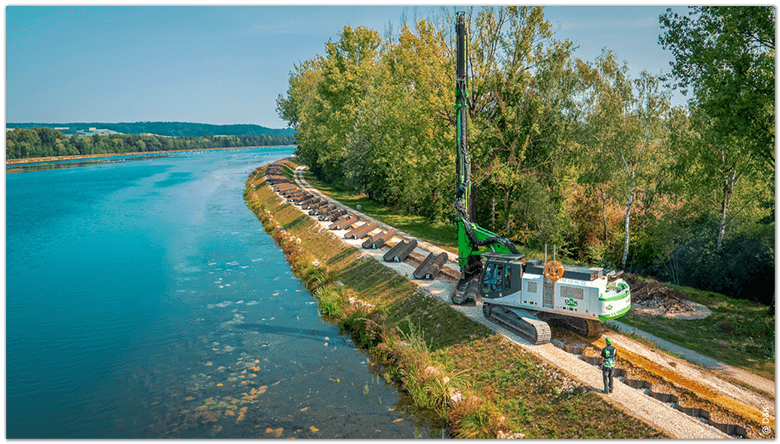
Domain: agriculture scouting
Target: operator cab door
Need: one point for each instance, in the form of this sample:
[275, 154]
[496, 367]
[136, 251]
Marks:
[499, 279]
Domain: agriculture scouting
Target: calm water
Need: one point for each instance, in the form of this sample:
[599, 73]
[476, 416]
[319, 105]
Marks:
[144, 300]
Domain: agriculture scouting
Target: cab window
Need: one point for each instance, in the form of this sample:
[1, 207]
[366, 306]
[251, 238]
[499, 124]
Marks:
[494, 278]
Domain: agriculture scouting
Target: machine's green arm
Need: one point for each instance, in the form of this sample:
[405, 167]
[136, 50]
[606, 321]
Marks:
[470, 235]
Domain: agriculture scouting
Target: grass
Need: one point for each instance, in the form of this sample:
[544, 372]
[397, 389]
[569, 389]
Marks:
[739, 332]
[532, 398]
[430, 351]
[288, 170]
[440, 234]
[741, 337]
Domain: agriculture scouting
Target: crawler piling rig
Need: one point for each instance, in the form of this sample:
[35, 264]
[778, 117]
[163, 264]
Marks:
[523, 295]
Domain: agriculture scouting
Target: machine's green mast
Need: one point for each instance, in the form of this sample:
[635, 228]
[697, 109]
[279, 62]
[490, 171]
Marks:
[470, 235]
[463, 166]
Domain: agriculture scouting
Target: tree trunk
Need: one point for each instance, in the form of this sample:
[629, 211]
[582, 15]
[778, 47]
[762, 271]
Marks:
[604, 214]
[730, 178]
[509, 225]
[628, 225]
[728, 188]
[493, 214]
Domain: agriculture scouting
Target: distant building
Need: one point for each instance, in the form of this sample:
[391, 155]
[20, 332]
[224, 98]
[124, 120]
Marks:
[96, 131]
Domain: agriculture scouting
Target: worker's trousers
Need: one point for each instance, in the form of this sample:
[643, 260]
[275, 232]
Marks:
[607, 373]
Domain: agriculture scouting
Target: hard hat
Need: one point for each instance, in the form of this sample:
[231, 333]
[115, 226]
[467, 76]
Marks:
[609, 341]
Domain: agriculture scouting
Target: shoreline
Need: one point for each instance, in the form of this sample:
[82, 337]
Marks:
[136, 153]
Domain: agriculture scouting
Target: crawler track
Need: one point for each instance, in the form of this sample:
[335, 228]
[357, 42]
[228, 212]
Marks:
[520, 321]
[583, 327]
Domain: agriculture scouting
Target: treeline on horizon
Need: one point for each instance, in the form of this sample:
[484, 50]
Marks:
[172, 129]
[22, 143]
[580, 154]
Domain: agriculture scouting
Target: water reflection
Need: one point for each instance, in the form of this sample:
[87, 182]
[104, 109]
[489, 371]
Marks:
[62, 164]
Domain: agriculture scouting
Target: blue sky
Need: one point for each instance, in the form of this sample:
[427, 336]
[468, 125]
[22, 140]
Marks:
[224, 65]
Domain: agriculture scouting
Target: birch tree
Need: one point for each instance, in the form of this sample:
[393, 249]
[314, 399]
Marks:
[726, 55]
[624, 121]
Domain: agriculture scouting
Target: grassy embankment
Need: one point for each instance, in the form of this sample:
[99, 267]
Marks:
[429, 350]
[739, 332]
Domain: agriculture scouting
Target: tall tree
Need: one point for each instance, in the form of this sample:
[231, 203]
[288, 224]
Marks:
[624, 122]
[710, 162]
[727, 55]
[400, 149]
[302, 109]
[347, 76]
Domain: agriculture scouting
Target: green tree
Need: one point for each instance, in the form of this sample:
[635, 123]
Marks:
[303, 110]
[624, 129]
[712, 163]
[521, 84]
[10, 149]
[347, 76]
[726, 54]
[27, 142]
[401, 145]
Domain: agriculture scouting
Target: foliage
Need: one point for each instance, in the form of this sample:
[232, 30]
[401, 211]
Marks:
[743, 267]
[24, 143]
[624, 129]
[727, 55]
[579, 154]
[332, 302]
[301, 109]
[520, 98]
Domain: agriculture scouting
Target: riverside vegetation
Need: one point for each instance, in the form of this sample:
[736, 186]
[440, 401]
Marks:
[430, 351]
[583, 154]
[44, 142]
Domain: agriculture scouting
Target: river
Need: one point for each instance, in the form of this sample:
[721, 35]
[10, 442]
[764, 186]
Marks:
[144, 300]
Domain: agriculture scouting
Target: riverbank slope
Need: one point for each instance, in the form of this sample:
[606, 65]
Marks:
[477, 382]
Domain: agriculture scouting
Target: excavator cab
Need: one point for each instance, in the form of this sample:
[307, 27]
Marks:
[502, 274]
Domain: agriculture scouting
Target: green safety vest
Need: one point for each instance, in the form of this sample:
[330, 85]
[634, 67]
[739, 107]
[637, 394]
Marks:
[609, 354]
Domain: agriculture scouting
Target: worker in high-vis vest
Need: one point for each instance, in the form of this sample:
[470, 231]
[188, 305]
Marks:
[608, 365]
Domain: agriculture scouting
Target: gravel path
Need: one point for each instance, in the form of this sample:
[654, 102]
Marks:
[663, 417]
[758, 382]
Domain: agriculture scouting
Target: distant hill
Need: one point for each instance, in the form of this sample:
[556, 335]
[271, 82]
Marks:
[173, 129]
